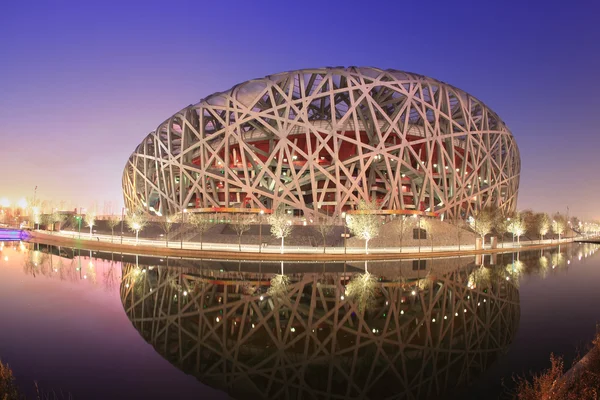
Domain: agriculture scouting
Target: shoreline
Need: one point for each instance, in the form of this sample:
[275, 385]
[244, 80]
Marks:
[39, 237]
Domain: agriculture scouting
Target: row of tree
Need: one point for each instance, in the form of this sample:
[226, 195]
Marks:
[362, 223]
[493, 221]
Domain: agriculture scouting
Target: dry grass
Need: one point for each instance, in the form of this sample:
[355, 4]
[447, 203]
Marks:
[581, 383]
[8, 389]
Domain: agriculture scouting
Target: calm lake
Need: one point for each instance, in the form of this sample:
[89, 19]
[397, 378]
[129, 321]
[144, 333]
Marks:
[107, 325]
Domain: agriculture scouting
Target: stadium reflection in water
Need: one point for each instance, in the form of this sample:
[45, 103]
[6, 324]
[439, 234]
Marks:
[406, 329]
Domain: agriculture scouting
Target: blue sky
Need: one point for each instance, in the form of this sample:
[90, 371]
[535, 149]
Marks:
[81, 83]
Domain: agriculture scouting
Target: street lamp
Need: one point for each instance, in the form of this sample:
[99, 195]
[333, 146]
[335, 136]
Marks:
[123, 209]
[79, 223]
[262, 212]
[183, 212]
[344, 221]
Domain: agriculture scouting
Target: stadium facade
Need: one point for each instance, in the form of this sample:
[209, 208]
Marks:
[320, 140]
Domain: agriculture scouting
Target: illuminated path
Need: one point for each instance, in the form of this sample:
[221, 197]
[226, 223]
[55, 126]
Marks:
[253, 252]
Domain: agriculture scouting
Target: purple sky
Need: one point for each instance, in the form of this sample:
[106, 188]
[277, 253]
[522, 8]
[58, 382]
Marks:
[81, 84]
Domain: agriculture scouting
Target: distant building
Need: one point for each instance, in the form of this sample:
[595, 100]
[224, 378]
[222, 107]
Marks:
[320, 140]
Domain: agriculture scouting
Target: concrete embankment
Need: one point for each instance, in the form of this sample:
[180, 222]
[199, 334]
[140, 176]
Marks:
[236, 255]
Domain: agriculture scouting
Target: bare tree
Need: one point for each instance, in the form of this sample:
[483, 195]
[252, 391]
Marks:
[57, 218]
[325, 227]
[427, 224]
[279, 285]
[136, 221]
[90, 220]
[403, 226]
[364, 223]
[201, 224]
[166, 222]
[281, 226]
[558, 225]
[459, 224]
[362, 289]
[241, 223]
[483, 223]
[112, 222]
[517, 227]
[36, 217]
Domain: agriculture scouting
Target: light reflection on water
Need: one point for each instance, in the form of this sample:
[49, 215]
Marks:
[406, 329]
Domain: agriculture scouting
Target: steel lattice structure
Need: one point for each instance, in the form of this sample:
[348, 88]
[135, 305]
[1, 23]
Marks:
[311, 342]
[320, 140]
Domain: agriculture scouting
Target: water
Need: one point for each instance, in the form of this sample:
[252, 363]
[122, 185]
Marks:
[102, 325]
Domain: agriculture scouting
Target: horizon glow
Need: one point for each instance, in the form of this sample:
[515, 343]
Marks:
[82, 84]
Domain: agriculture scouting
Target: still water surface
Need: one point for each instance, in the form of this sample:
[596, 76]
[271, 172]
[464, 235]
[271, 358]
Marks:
[102, 325]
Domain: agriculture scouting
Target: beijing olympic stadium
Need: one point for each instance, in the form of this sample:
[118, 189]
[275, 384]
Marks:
[317, 141]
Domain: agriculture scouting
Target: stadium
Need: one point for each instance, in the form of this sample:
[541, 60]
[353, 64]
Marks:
[317, 141]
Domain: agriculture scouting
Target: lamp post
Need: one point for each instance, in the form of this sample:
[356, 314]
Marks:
[79, 223]
[419, 228]
[344, 221]
[183, 211]
[513, 233]
[122, 219]
[262, 212]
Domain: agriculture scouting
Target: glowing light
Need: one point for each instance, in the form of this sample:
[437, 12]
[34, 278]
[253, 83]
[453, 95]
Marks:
[261, 298]
[217, 319]
[293, 329]
[413, 292]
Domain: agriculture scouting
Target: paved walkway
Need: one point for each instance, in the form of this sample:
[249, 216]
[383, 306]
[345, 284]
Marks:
[304, 250]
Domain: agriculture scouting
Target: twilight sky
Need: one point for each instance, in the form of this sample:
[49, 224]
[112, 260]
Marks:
[81, 84]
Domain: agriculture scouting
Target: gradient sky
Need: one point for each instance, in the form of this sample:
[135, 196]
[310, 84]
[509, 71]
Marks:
[81, 84]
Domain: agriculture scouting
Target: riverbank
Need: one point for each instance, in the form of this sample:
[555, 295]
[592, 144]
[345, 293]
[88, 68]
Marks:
[295, 253]
[580, 382]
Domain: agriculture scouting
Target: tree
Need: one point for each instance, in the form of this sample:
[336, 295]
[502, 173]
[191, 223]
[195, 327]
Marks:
[483, 223]
[201, 224]
[558, 225]
[166, 223]
[281, 227]
[90, 220]
[517, 227]
[112, 222]
[8, 386]
[57, 218]
[543, 224]
[459, 224]
[136, 221]
[325, 227]
[365, 224]
[402, 227]
[279, 285]
[241, 224]
[36, 217]
[427, 225]
[362, 290]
